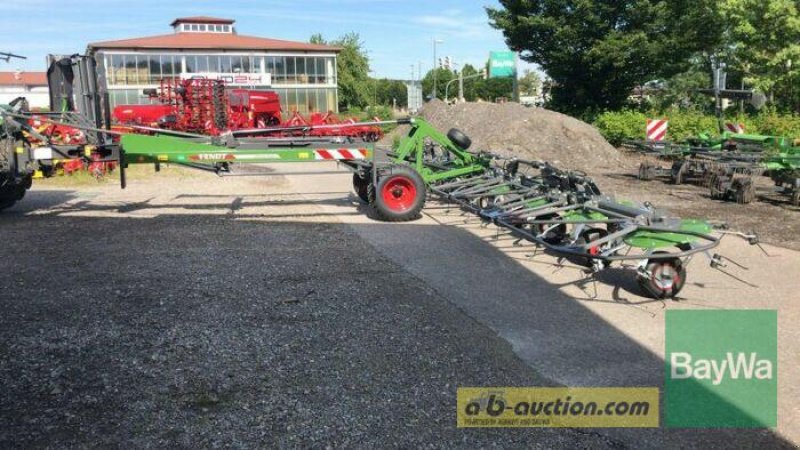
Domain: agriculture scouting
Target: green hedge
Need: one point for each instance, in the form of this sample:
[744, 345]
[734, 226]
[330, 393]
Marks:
[621, 125]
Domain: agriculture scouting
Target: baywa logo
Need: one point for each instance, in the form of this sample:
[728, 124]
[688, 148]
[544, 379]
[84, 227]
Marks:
[721, 369]
[731, 367]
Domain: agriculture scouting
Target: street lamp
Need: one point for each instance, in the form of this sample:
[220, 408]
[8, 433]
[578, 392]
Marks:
[435, 41]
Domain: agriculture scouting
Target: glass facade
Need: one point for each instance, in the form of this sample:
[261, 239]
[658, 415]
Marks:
[304, 83]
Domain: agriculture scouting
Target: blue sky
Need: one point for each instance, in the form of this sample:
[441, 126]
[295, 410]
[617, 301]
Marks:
[396, 33]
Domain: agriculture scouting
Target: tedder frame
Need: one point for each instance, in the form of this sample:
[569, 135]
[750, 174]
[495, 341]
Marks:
[561, 211]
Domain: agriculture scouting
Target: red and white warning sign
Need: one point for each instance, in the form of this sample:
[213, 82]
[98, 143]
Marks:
[737, 128]
[657, 129]
[340, 154]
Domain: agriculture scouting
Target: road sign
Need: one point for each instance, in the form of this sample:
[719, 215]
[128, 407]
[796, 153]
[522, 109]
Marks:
[414, 90]
[502, 64]
[656, 129]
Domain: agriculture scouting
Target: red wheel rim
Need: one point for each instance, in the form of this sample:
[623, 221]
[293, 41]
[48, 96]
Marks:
[399, 194]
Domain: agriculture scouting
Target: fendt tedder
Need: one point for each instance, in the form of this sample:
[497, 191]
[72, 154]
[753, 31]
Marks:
[726, 165]
[561, 211]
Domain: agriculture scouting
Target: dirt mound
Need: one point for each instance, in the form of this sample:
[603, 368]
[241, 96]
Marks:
[511, 129]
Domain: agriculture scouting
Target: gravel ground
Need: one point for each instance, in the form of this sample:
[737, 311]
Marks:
[200, 329]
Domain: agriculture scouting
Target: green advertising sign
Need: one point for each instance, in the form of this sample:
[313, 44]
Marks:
[502, 64]
[721, 369]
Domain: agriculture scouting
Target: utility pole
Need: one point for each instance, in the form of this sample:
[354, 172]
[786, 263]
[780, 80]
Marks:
[461, 85]
[435, 41]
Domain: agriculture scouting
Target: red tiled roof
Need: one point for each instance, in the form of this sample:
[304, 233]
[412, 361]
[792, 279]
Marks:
[210, 41]
[201, 19]
[23, 79]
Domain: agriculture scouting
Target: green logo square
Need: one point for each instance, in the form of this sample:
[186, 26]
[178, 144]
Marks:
[721, 369]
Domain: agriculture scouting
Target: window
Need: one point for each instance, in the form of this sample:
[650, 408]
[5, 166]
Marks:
[302, 75]
[190, 64]
[202, 64]
[116, 70]
[301, 106]
[226, 28]
[236, 64]
[155, 69]
[203, 27]
[168, 68]
[291, 70]
[225, 64]
[279, 72]
[195, 27]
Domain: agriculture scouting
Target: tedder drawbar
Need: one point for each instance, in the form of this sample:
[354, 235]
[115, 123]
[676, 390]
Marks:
[561, 211]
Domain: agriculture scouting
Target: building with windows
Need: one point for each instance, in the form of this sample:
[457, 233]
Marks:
[31, 85]
[302, 74]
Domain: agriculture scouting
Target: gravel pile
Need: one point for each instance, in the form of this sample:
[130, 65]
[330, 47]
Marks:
[511, 129]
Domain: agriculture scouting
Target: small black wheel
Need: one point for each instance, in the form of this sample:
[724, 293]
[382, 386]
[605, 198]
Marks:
[676, 174]
[796, 197]
[744, 191]
[646, 172]
[459, 138]
[361, 186]
[400, 194]
[666, 278]
[590, 235]
[555, 235]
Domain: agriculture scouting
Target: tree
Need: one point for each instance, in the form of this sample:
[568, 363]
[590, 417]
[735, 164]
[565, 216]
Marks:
[352, 66]
[530, 83]
[442, 77]
[762, 40]
[597, 51]
[391, 91]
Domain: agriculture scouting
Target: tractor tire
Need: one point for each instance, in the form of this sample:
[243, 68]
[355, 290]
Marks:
[676, 173]
[6, 203]
[11, 194]
[646, 172]
[361, 186]
[743, 190]
[399, 195]
[459, 138]
[668, 276]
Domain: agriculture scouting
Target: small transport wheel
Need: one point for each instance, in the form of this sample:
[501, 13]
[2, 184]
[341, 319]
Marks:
[743, 190]
[796, 197]
[361, 186]
[459, 138]
[667, 278]
[676, 173]
[715, 186]
[400, 194]
[646, 171]
[555, 234]
[590, 235]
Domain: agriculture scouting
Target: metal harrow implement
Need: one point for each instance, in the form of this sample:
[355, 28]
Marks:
[563, 211]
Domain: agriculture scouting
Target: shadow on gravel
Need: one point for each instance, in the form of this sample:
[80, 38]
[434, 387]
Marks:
[209, 330]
